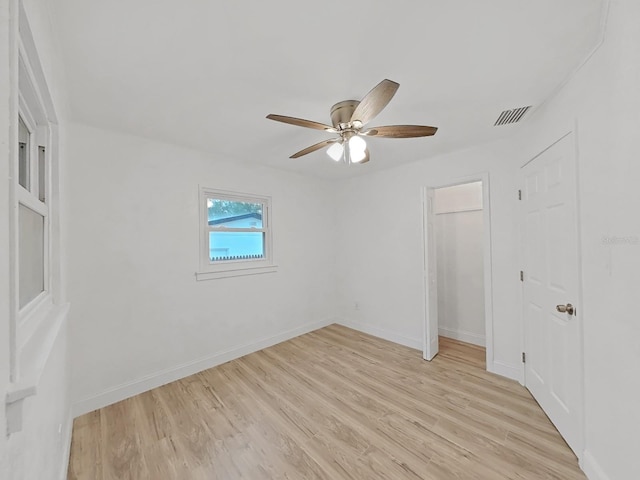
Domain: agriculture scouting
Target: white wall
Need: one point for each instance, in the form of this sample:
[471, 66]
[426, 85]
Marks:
[460, 261]
[139, 316]
[40, 449]
[381, 250]
[602, 103]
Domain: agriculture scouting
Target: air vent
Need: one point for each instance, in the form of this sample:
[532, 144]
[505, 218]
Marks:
[511, 116]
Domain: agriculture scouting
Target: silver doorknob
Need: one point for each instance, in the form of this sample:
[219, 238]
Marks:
[568, 308]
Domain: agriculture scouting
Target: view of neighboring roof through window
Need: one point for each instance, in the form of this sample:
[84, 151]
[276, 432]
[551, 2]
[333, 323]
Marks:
[231, 236]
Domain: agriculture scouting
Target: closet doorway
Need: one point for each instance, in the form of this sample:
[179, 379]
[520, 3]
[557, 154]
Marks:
[457, 239]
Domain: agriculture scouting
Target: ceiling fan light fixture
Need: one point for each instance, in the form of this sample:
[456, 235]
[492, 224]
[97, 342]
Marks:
[349, 118]
[357, 149]
[335, 151]
[358, 156]
[357, 143]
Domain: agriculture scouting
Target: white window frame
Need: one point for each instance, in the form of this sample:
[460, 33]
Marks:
[232, 268]
[32, 109]
[34, 326]
[39, 135]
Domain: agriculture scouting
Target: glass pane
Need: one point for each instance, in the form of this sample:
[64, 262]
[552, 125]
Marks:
[31, 258]
[232, 214]
[235, 246]
[42, 179]
[23, 154]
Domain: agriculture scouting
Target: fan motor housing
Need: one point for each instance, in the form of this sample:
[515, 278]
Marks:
[341, 112]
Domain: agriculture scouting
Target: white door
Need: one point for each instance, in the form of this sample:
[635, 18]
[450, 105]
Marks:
[552, 327]
[431, 274]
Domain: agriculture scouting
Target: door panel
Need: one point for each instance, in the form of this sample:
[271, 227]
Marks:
[553, 340]
[536, 362]
[533, 233]
[558, 382]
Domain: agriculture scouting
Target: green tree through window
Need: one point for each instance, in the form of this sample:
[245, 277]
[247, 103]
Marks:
[220, 208]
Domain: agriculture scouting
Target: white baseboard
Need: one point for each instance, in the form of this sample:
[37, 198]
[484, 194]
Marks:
[154, 380]
[499, 368]
[509, 371]
[66, 438]
[463, 336]
[384, 334]
[591, 468]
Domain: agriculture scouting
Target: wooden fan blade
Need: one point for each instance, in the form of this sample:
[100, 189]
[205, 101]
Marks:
[374, 101]
[301, 122]
[401, 131]
[315, 147]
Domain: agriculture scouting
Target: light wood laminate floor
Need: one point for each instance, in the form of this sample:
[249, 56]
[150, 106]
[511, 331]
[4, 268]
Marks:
[332, 404]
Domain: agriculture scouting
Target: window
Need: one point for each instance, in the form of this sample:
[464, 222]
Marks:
[37, 306]
[33, 210]
[235, 233]
[31, 255]
[24, 146]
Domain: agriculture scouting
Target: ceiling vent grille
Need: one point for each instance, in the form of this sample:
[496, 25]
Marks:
[511, 116]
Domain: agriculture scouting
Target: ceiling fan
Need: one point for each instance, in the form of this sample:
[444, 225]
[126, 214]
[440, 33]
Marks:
[348, 118]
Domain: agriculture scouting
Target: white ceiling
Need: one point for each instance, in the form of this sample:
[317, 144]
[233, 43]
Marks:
[205, 73]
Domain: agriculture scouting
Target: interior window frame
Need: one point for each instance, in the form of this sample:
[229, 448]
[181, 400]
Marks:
[39, 136]
[209, 269]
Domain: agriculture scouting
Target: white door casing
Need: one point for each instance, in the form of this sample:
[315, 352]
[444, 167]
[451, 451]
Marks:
[553, 339]
[431, 277]
[430, 330]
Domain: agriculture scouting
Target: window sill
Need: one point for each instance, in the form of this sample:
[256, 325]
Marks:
[236, 272]
[33, 357]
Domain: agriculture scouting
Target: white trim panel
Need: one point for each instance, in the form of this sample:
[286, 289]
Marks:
[236, 273]
[66, 438]
[504, 370]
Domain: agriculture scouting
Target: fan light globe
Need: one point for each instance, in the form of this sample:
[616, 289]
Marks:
[357, 149]
[357, 143]
[335, 151]
[358, 155]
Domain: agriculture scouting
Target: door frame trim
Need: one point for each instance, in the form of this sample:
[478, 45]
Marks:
[571, 128]
[487, 259]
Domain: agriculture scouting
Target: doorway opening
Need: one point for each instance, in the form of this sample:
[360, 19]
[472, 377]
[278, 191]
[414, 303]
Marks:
[458, 309]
